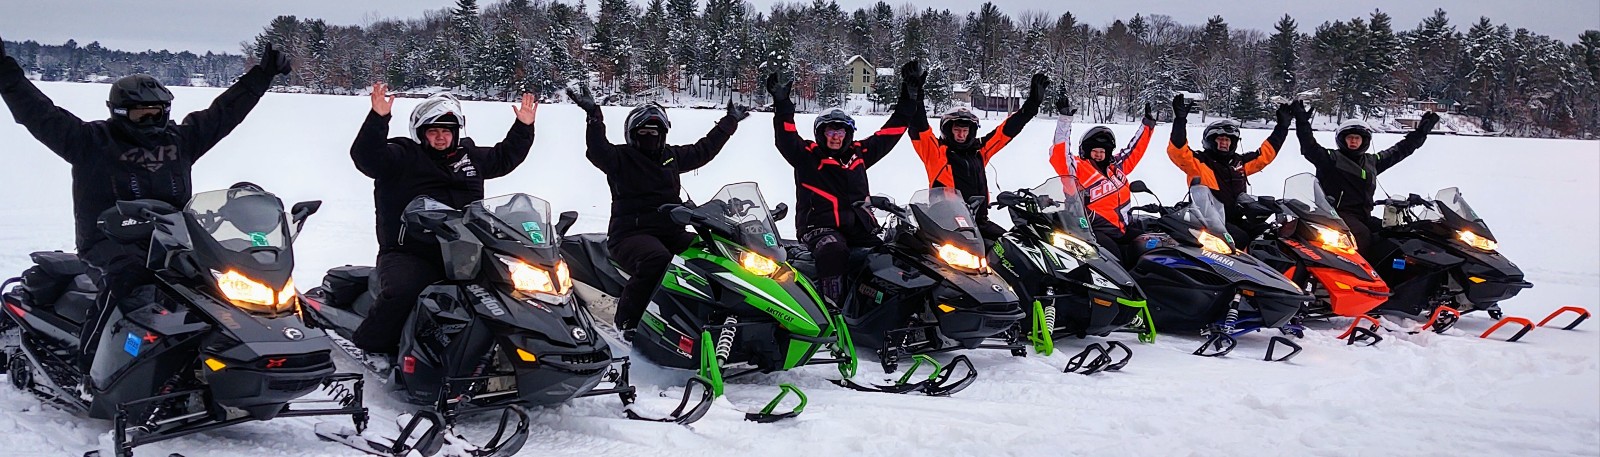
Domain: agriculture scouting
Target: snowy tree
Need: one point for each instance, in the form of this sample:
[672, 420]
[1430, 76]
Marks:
[1284, 53]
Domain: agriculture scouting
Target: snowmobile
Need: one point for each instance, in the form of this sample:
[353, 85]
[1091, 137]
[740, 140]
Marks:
[500, 333]
[731, 304]
[929, 287]
[1312, 246]
[214, 342]
[1196, 279]
[1076, 287]
[1442, 261]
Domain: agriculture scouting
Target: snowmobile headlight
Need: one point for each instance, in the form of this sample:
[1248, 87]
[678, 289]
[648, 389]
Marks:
[1334, 240]
[252, 295]
[1472, 239]
[757, 263]
[1072, 245]
[531, 279]
[961, 258]
[1211, 242]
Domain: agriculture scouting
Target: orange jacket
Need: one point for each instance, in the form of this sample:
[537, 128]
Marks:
[1107, 192]
[1234, 172]
[962, 169]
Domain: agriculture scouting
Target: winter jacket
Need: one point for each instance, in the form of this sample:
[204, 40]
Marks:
[111, 160]
[963, 166]
[642, 182]
[403, 169]
[1107, 188]
[828, 183]
[1224, 172]
[1350, 178]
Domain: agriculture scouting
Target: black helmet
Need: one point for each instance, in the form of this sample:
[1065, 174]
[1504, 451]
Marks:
[1353, 127]
[140, 91]
[1225, 127]
[959, 116]
[1097, 137]
[834, 116]
[646, 116]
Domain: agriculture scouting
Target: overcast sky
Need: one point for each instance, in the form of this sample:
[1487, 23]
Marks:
[220, 25]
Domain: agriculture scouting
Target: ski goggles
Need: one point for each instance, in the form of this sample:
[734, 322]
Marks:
[648, 131]
[143, 112]
[835, 131]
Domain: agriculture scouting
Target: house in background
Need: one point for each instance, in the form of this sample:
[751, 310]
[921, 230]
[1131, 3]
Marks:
[861, 74]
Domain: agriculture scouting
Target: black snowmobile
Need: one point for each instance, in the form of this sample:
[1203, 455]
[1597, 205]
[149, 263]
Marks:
[1441, 261]
[499, 333]
[214, 342]
[1076, 287]
[731, 305]
[1197, 280]
[929, 287]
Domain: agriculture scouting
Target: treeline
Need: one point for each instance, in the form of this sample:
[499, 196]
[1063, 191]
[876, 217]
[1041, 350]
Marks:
[1512, 81]
[71, 62]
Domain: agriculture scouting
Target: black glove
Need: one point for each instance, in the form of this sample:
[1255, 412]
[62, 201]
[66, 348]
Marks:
[275, 61]
[736, 111]
[1284, 114]
[779, 87]
[1301, 113]
[1064, 107]
[2, 49]
[1429, 120]
[1148, 115]
[1181, 108]
[585, 101]
[1036, 90]
[912, 77]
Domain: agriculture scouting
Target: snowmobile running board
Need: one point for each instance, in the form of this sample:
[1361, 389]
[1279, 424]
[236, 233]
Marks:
[1101, 361]
[349, 399]
[1583, 314]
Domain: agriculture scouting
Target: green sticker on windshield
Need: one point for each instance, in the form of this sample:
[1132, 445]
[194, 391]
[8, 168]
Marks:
[1083, 222]
[769, 239]
[258, 239]
[533, 232]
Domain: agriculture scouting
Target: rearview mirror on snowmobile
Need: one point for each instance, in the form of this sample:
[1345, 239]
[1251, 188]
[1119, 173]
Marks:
[1139, 186]
[885, 203]
[780, 212]
[1007, 198]
[300, 211]
[565, 222]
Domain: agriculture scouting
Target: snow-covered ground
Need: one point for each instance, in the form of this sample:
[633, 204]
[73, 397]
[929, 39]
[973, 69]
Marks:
[1423, 394]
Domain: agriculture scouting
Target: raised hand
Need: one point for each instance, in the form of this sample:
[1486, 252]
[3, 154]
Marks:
[275, 61]
[2, 48]
[1064, 107]
[584, 100]
[779, 87]
[1181, 107]
[913, 77]
[382, 102]
[737, 111]
[527, 109]
[1285, 113]
[1300, 111]
[1429, 120]
[1148, 115]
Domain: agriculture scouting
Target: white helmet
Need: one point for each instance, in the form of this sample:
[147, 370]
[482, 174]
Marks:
[439, 110]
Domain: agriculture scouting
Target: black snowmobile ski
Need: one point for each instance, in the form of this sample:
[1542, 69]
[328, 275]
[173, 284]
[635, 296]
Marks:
[427, 433]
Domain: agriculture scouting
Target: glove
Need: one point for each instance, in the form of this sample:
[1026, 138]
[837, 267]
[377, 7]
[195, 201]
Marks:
[1148, 115]
[1064, 107]
[736, 111]
[1429, 120]
[912, 77]
[1284, 114]
[1181, 108]
[1298, 108]
[1036, 90]
[2, 49]
[275, 61]
[585, 101]
[779, 87]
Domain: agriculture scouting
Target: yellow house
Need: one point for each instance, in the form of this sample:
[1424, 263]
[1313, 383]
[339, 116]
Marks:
[861, 74]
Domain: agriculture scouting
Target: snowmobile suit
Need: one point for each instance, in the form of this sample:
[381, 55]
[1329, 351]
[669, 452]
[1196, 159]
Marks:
[1226, 173]
[113, 160]
[640, 237]
[1350, 177]
[963, 165]
[1105, 184]
[403, 169]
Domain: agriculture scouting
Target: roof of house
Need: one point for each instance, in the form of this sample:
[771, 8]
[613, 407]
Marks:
[855, 58]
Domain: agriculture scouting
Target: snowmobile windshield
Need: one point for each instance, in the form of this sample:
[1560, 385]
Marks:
[743, 215]
[241, 218]
[524, 217]
[1205, 211]
[1304, 194]
[1061, 201]
[942, 215]
[1451, 198]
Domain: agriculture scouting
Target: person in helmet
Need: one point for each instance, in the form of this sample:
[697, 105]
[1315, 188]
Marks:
[643, 174]
[436, 160]
[958, 158]
[1349, 175]
[1102, 175]
[1221, 167]
[830, 174]
[137, 153]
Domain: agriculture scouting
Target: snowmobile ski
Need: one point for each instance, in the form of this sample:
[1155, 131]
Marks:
[1583, 314]
[1096, 358]
[937, 384]
[428, 433]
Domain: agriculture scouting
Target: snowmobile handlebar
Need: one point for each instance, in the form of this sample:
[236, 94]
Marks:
[1409, 201]
[1153, 208]
[883, 203]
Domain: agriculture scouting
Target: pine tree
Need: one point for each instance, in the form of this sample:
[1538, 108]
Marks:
[466, 49]
[1247, 104]
[502, 67]
[1381, 57]
[1283, 50]
[612, 44]
[1485, 59]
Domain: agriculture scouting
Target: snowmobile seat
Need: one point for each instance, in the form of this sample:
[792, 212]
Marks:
[78, 301]
[51, 274]
[347, 283]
